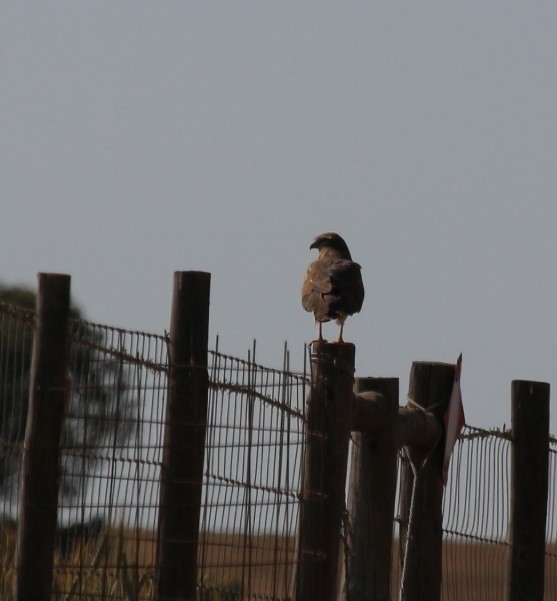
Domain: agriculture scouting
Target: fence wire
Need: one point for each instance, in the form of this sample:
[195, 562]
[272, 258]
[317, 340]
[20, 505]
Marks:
[110, 472]
[476, 507]
[475, 523]
[551, 528]
[16, 343]
[252, 479]
[111, 454]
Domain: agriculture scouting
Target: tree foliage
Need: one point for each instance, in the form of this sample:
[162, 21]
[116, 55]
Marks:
[99, 408]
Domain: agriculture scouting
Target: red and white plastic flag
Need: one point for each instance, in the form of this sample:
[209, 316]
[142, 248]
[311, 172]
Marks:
[454, 420]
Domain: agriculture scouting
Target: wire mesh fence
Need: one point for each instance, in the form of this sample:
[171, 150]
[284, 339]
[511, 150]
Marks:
[16, 343]
[111, 453]
[110, 472]
[475, 523]
[254, 449]
[476, 519]
[551, 530]
[16, 330]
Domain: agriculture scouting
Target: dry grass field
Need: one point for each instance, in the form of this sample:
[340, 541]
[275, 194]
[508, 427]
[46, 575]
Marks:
[119, 566]
[471, 571]
[476, 572]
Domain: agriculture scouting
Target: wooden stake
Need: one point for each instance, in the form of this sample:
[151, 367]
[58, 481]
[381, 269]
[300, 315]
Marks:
[371, 496]
[184, 439]
[430, 388]
[329, 414]
[48, 394]
[528, 511]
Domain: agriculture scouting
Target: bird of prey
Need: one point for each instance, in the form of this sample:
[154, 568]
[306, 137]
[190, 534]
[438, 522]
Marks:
[333, 287]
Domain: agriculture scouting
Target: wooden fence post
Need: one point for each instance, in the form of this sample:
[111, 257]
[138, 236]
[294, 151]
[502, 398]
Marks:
[371, 495]
[38, 499]
[329, 414]
[184, 439]
[421, 507]
[529, 481]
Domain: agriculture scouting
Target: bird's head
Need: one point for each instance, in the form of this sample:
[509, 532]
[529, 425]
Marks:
[331, 241]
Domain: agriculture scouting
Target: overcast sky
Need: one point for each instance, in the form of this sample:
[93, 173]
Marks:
[140, 138]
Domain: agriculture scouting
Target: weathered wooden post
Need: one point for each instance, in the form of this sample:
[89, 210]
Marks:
[529, 482]
[184, 438]
[329, 415]
[38, 500]
[422, 497]
[371, 496]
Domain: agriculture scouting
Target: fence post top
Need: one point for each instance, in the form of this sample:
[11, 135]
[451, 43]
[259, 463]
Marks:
[41, 275]
[531, 384]
[191, 273]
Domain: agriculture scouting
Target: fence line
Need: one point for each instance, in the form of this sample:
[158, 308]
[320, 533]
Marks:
[111, 458]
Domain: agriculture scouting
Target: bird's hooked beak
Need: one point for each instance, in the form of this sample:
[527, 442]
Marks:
[315, 244]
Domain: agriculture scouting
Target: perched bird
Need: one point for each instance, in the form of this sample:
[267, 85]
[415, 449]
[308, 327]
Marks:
[333, 287]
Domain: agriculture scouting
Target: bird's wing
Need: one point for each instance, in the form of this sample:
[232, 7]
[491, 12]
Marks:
[331, 286]
[317, 283]
[347, 287]
[317, 278]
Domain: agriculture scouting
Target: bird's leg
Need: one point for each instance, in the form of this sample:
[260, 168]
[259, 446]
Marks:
[341, 321]
[320, 339]
[340, 339]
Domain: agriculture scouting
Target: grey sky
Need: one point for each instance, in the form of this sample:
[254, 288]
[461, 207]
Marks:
[140, 138]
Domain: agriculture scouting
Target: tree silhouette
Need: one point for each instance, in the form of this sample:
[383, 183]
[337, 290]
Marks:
[100, 409]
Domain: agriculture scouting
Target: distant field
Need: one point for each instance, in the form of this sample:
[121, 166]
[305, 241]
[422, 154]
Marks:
[476, 572]
[471, 571]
